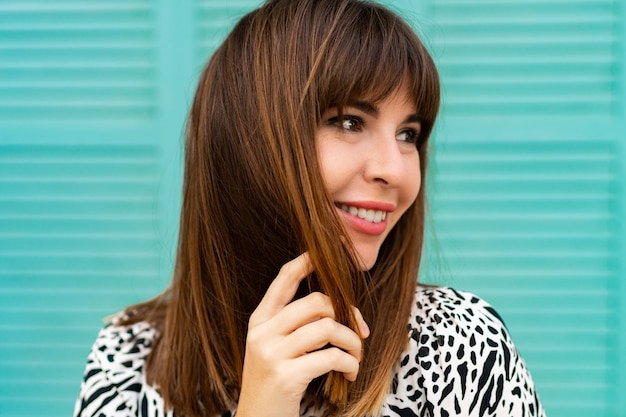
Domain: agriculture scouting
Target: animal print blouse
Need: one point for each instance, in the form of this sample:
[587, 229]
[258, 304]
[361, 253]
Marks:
[460, 362]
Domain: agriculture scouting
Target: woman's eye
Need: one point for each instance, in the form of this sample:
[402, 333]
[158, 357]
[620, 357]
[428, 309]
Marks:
[349, 123]
[409, 136]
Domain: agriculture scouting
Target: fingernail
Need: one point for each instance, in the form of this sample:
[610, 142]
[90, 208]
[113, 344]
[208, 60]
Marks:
[365, 330]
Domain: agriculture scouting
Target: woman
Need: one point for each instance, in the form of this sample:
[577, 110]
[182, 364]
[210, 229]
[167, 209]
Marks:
[300, 239]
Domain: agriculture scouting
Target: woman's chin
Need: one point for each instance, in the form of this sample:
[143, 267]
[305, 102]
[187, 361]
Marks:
[367, 261]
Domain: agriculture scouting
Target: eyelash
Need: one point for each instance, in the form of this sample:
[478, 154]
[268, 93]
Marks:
[357, 122]
[414, 136]
[357, 125]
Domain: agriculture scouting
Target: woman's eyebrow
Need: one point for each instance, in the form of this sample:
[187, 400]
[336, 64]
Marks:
[372, 110]
[413, 118]
[365, 107]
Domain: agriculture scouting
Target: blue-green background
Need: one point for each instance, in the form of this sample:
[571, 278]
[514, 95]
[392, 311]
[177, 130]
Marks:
[528, 178]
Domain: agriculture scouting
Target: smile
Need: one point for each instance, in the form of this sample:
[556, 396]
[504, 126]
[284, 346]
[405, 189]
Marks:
[372, 216]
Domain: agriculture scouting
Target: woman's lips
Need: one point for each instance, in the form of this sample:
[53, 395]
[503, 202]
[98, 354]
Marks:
[372, 216]
[368, 217]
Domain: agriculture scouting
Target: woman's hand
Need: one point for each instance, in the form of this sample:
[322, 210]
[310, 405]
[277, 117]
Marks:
[284, 346]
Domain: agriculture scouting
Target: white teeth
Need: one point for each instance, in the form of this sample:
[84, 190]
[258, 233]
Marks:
[372, 216]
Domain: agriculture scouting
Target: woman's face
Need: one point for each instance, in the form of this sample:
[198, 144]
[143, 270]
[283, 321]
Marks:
[370, 164]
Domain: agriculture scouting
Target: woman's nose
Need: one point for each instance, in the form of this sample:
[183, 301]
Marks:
[385, 163]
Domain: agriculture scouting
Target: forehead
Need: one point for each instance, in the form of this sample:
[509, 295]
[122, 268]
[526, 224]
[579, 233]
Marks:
[401, 94]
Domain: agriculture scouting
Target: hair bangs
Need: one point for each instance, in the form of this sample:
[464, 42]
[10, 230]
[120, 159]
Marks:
[370, 53]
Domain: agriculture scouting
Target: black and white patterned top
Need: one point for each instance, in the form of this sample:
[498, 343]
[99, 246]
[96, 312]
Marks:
[460, 361]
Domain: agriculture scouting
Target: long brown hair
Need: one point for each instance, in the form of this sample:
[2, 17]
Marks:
[254, 198]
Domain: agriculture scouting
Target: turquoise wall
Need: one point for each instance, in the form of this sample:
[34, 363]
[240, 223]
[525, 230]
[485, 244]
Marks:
[527, 183]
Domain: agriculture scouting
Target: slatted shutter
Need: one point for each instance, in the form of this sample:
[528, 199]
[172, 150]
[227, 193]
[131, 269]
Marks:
[527, 187]
[80, 166]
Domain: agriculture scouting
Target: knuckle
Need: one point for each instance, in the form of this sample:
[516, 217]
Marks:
[317, 298]
[328, 326]
[286, 269]
[320, 303]
[252, 337]
[336, 354]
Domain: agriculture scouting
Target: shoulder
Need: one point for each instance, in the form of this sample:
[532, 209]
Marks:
[449, 311]
[461, 357]
[122, 341]
[121, 350]
[114, 375]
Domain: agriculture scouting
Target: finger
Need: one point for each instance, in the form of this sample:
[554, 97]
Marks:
[364, 329]
[306, 310]
[282, 290]
[311, 308]
[323, 361]
[320, 333]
